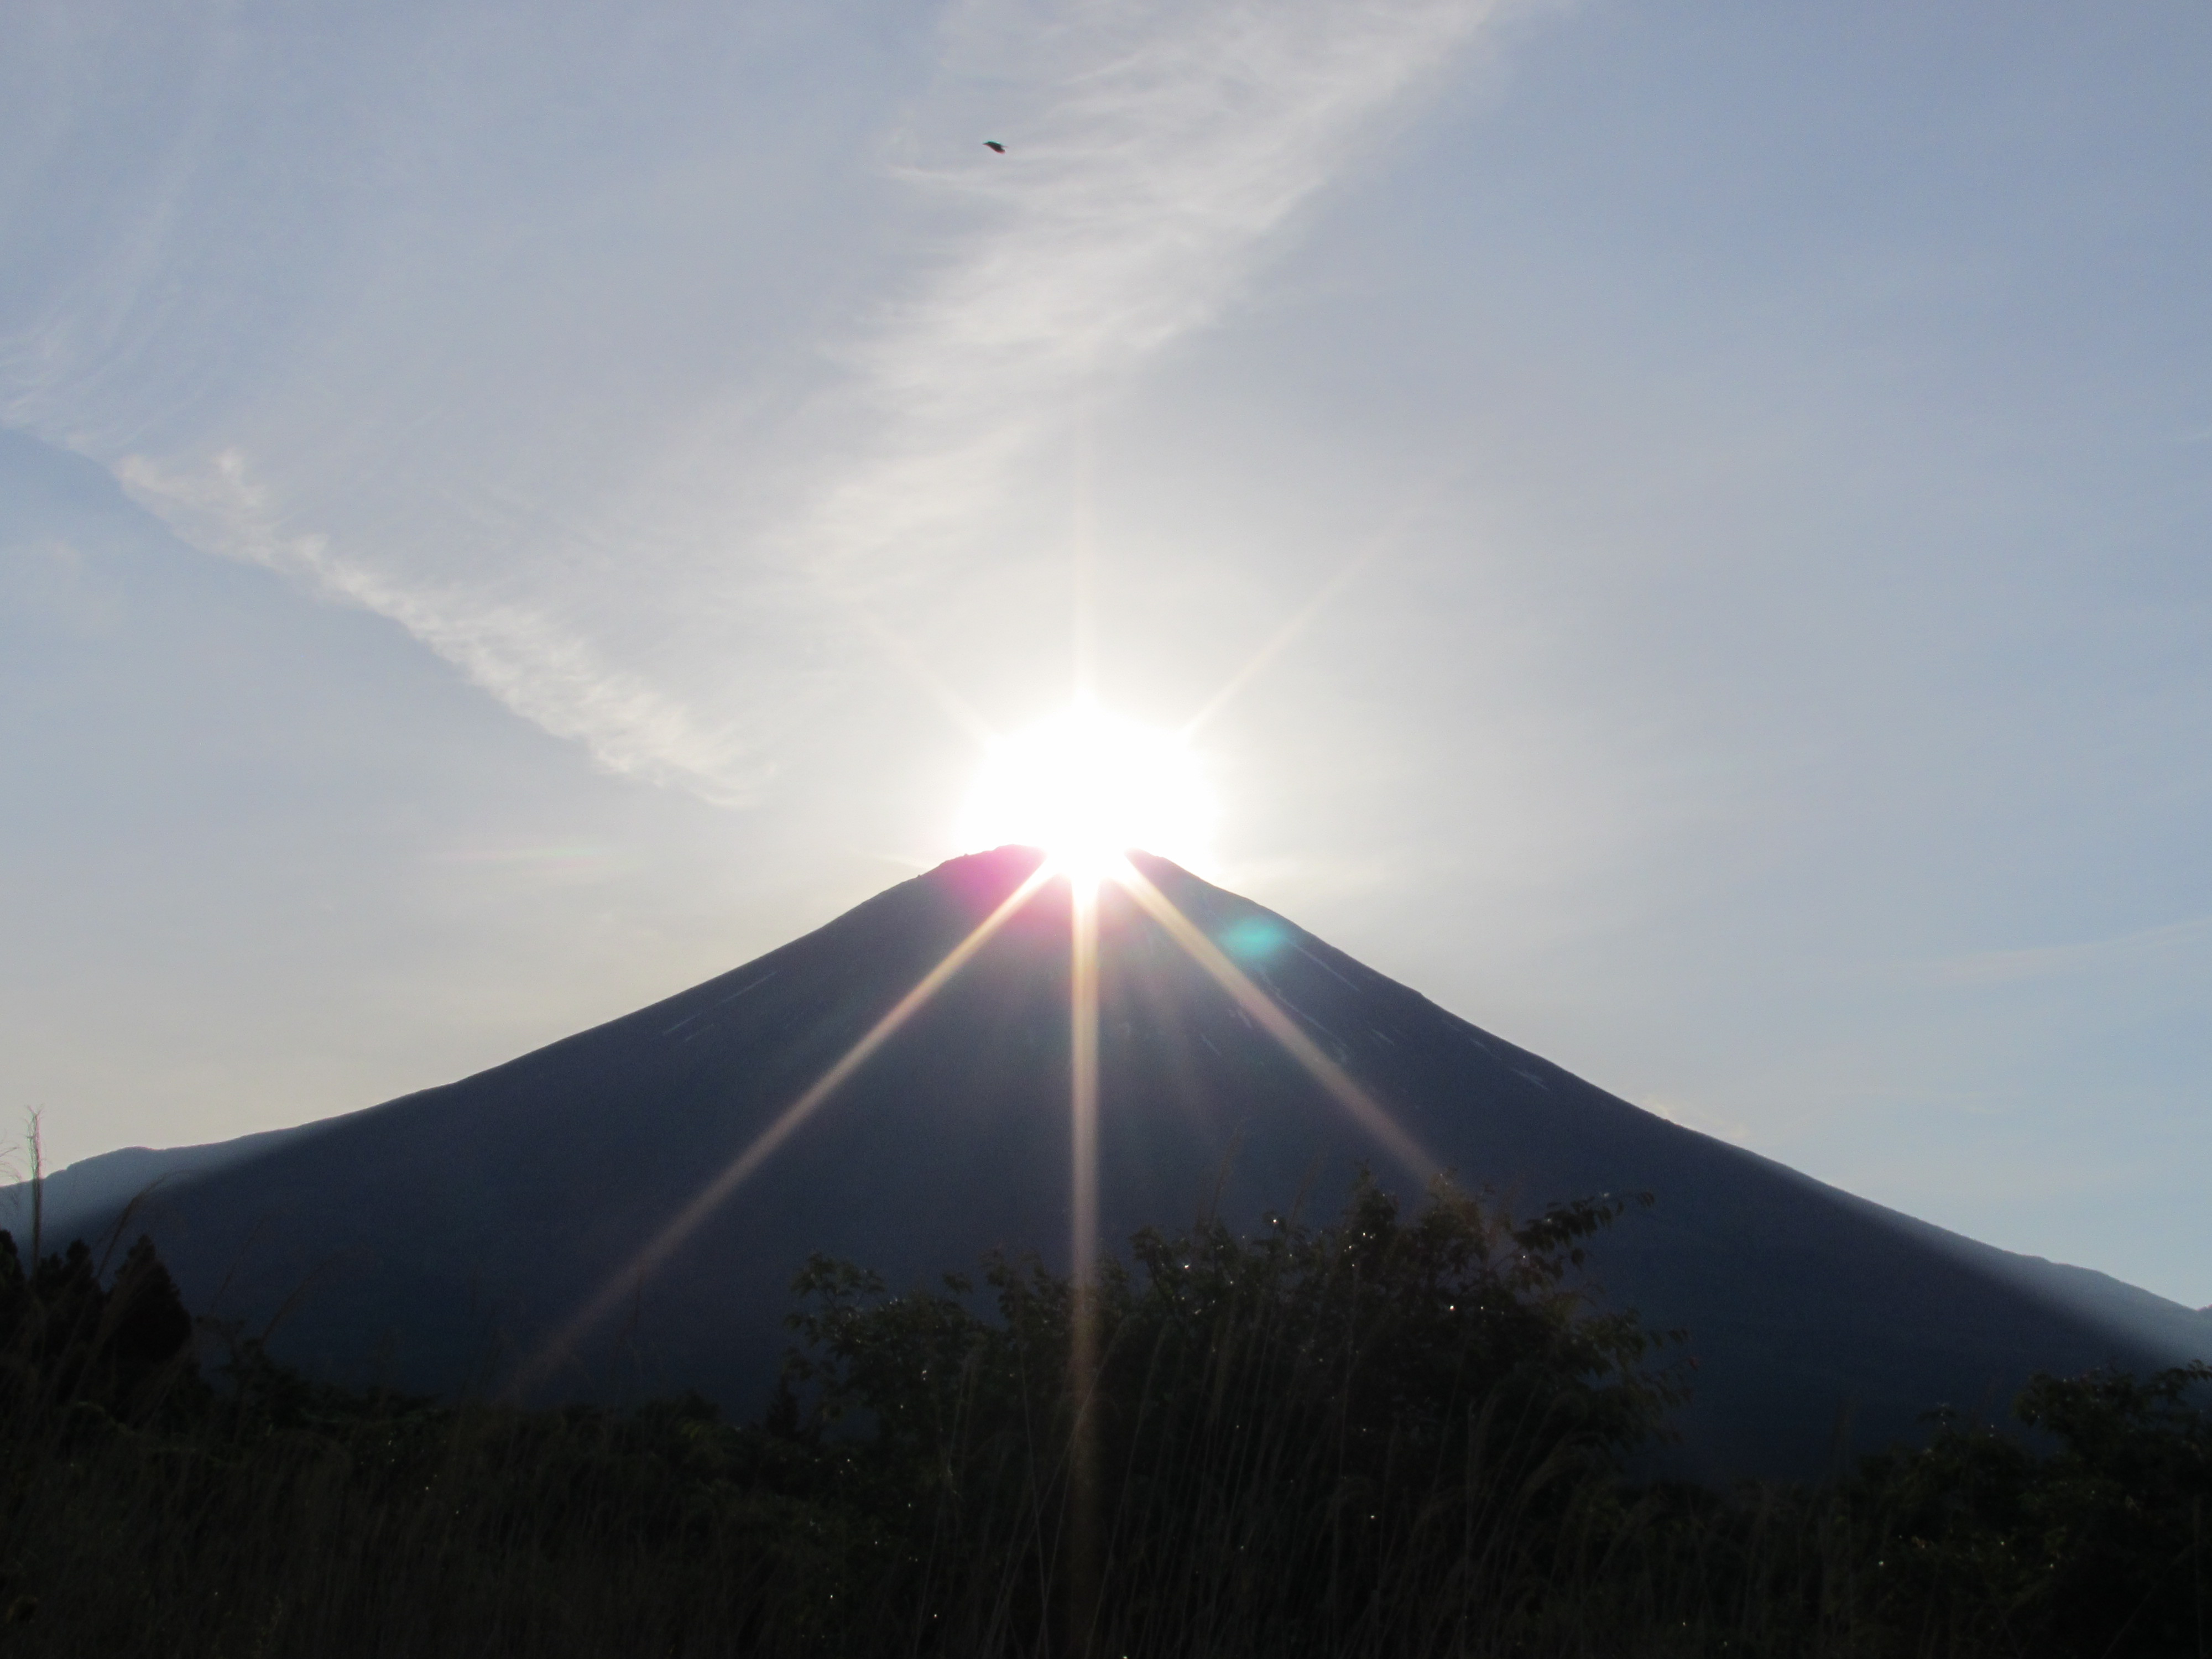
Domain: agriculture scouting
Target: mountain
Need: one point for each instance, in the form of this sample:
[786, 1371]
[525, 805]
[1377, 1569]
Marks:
[441, 1240]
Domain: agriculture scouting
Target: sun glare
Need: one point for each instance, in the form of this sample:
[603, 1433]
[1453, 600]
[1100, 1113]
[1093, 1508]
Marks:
[1086, 788]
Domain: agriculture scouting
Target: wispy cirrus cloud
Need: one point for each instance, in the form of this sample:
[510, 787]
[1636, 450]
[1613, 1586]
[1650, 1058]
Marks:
[550, 674]
[1157, 155]
[2120, 950]
[625, 547]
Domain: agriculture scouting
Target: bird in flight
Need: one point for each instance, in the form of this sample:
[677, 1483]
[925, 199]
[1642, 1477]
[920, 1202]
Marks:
[993, 143]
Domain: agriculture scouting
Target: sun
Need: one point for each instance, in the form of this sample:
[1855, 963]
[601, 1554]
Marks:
[1087, 787]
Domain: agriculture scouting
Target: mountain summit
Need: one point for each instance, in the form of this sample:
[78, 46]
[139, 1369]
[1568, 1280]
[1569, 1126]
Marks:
[447, 1239]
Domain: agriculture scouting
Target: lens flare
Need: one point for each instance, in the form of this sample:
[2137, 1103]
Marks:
[1087, 787]
[1363, 1108]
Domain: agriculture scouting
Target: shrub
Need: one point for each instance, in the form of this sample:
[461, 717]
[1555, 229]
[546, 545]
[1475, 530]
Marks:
[2094, 1535]
[1327, 1439]
[125, 1347]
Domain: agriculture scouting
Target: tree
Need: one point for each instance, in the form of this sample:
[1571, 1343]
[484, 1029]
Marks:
[2099, 1539]
[1370, 1420]
[64, 1338]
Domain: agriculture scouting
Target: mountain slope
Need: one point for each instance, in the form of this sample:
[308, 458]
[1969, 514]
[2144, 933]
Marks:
[444, 1236]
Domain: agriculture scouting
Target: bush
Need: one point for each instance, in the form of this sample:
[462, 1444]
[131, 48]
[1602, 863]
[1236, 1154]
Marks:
[125, 1347]
[1332, 1439]
[2098, 1542]
[1392, 1435]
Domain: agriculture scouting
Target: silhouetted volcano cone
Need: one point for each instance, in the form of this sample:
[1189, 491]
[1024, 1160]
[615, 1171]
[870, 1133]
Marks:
[444, 1236]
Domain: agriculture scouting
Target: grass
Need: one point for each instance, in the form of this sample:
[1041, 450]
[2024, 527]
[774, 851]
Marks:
[1394, 1435]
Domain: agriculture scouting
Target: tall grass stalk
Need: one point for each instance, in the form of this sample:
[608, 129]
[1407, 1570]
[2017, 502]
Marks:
[1390, 1437]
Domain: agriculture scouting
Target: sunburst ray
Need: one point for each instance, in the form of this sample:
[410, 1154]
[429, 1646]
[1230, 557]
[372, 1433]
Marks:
[1363, 1107]
[1377, 546]
[739, 1168]
[1083, 1322]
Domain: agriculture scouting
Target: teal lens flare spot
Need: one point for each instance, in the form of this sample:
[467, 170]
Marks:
[1254, 938]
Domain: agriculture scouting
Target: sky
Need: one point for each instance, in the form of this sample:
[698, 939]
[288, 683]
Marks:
[508, 512]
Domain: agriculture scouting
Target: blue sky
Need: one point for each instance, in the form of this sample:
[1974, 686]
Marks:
[494, 505]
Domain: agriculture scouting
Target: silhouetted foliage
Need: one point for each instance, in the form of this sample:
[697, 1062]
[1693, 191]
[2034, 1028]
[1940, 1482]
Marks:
[125, 1347]
[1317, 1432]
[2094, 1544]
[1392, 1435]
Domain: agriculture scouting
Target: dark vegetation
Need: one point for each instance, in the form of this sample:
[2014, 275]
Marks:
[1393, 1435]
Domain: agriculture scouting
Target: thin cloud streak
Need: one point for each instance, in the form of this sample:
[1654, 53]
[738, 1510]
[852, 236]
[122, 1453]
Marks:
[2088, 956]
[1163, 152]
[510, 650]
[672, 584]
